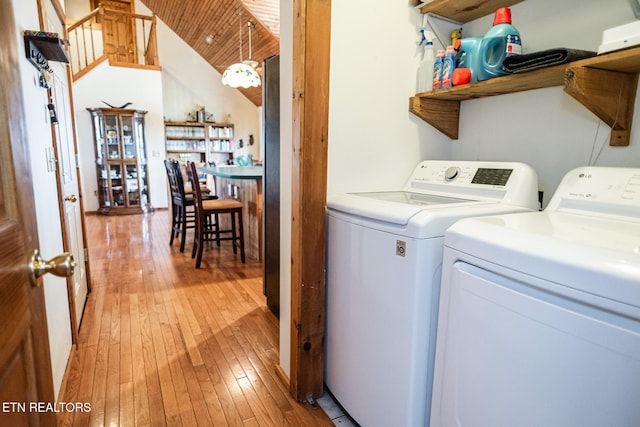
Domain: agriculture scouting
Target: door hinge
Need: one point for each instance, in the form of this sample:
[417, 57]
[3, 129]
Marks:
[86, 255]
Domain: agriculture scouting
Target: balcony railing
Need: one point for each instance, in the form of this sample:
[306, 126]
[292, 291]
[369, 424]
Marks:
[125, 39]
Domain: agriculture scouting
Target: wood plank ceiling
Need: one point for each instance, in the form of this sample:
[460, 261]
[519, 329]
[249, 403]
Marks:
[194, 20]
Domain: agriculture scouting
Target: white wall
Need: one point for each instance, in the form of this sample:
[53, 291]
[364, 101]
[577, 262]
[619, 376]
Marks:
[45, 191]
[286, 144]
[374, 142]
[76, 9]
[117, 86]
[547, 128]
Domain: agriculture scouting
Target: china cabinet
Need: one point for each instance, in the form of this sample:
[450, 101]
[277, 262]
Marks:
[121, 161]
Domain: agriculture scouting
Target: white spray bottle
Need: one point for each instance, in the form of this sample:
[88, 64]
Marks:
[425, 69]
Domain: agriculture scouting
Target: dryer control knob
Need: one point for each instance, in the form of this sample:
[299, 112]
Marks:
[451, 173]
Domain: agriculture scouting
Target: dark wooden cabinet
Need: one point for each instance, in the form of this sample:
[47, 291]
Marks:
[121, 161]
[271, 182]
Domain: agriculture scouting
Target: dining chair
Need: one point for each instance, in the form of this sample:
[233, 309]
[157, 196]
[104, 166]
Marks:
[207, 220]
[182, 213]
[206, 185]
[182, 210]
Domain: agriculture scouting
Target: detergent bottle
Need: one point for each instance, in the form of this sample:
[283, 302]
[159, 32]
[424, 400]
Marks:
[469, 55]
[501, 41]
[448, 65]
[437, 70]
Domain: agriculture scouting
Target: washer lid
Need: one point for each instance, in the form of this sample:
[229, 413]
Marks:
[396, 207]
[592, 254]
[410, 198]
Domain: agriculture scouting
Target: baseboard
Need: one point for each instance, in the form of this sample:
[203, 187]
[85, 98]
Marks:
[284, 378]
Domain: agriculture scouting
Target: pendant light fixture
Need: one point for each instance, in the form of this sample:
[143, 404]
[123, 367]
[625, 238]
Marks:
[243, 73]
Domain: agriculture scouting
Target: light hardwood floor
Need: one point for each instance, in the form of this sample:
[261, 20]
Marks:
[162, 343]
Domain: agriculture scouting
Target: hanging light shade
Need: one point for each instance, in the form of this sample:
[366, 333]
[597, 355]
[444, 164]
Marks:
[243, 73]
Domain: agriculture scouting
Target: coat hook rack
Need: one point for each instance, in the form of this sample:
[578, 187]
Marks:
[41, 47]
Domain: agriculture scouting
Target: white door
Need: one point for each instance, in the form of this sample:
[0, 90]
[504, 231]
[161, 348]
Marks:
[68, 175]
[68, 171]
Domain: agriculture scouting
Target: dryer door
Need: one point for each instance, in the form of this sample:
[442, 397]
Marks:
[513, 350]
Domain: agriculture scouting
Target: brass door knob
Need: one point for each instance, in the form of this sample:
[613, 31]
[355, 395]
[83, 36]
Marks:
[62, 265]
[72, 198]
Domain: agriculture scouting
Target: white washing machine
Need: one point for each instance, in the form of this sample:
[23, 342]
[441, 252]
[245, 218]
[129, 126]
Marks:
[384, 257]
[539, 320]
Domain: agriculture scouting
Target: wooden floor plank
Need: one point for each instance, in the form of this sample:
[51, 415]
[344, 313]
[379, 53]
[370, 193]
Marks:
[164, 344]
[140, 394]
[112, 397]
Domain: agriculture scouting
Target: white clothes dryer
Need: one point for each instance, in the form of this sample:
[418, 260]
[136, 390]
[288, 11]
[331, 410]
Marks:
[384, 257]
[539, 321]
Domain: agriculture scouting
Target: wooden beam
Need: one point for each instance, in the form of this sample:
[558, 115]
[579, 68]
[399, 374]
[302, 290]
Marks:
[311, 29]
[610, 95]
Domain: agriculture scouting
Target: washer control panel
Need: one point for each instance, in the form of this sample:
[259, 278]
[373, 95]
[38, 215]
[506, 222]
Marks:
[462, 173]
[492, 176]
[509, 182]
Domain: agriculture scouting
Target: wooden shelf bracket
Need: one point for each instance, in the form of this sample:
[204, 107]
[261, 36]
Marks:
[610, 95]
[442, 114]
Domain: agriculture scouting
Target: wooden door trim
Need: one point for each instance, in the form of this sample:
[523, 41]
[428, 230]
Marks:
[311, 43]
[77, 169]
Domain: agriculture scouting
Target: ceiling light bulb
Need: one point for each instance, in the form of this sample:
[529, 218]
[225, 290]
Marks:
[209, 39]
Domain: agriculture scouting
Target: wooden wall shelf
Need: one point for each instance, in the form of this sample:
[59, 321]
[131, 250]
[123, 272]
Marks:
[465, 10]
[605, 84]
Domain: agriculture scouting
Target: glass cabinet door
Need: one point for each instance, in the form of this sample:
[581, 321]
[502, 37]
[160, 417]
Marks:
[103, 184]
[133, 189]
[142, 159]
[117, 190]
[144, 189]
[101, 148]
[139, 139]
[128, 144]
[111, 128]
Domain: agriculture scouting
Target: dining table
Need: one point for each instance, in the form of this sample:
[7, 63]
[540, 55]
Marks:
[243, 183]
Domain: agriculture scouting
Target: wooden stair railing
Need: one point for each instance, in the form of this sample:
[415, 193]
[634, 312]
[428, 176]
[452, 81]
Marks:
[125, 39]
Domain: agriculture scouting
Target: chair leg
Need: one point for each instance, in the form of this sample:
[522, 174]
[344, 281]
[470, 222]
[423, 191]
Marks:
[217, 228]
[240, 226]
[195, 247]
[183, 227]
[173, 223]
[199, 240]
[233, 232]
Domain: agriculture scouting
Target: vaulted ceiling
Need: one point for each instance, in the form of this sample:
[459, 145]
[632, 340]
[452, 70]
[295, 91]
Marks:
[194, 20]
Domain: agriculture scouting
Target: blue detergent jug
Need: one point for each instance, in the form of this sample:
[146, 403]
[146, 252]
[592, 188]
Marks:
[469, 55]
[484, 55]
[501, 41]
